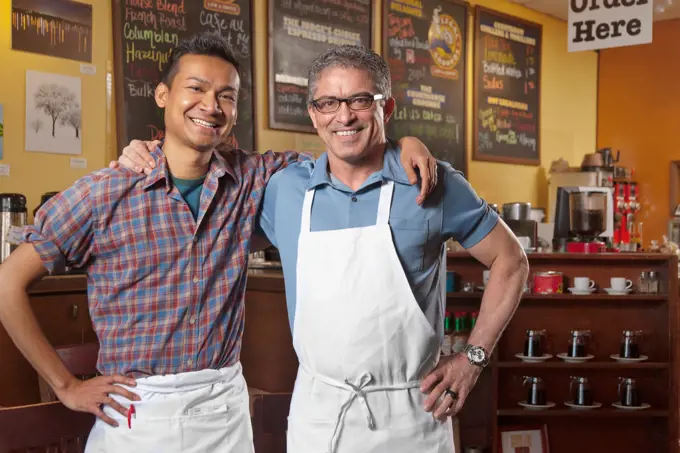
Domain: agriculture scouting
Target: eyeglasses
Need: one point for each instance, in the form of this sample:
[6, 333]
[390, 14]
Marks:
[356, 103]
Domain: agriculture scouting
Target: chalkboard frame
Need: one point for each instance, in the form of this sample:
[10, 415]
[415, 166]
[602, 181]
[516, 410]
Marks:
[464, 72]
[477, 155]
[279, 125]
[122, 137]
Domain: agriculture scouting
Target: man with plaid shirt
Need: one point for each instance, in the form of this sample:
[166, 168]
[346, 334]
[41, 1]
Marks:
[165, 255]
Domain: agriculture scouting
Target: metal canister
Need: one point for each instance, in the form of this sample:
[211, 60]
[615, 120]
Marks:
[550, 282]
[12, 214]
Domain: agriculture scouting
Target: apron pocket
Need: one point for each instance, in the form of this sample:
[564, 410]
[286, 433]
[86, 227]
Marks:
[150, 435]
[218, 428]
[307, 436]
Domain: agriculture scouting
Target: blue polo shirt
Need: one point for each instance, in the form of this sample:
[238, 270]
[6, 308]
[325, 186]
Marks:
[452, 210]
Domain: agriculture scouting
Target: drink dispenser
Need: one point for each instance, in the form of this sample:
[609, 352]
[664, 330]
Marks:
[12, 214]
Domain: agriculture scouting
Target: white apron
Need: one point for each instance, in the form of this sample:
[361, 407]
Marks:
[363, 344]
[204, 411]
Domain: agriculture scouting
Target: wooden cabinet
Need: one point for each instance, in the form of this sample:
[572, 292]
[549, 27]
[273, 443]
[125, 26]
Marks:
[60, 305]
[267, 355]
[494, 401]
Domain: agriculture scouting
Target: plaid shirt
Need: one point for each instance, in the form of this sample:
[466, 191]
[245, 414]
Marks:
[165, 292]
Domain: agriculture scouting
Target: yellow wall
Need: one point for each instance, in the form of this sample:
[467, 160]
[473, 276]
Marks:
[568, 109]
[34, 173]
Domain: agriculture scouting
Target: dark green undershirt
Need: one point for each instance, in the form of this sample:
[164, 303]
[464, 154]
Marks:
[191, 192]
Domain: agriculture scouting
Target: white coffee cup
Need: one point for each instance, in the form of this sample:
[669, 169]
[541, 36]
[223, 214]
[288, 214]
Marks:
[485, 277]
[583, 283]
[525, 241]
[621, 283]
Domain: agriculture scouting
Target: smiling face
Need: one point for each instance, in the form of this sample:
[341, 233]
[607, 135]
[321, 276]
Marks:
[350, 135]
[200, 103]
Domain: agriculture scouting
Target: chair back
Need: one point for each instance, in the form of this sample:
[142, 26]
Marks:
[44, 427]
[80, 359]
[270, 421]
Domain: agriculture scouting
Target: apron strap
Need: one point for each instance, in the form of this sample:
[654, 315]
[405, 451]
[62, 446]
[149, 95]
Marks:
[384, 205]
[385, 202]
[305, 226]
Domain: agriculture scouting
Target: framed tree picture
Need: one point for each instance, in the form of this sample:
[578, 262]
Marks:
[507, 87]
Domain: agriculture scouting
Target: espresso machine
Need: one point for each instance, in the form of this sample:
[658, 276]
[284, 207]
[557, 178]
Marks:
[584, 219]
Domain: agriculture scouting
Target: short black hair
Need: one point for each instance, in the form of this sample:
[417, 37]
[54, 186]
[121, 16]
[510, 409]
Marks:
[206, 43]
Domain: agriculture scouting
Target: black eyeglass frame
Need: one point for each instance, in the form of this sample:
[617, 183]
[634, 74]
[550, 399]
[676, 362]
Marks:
[374, 97]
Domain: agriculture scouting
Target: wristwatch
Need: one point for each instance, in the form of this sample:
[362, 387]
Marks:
[476, 355]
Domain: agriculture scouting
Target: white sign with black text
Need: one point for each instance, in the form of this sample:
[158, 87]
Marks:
[601, 24]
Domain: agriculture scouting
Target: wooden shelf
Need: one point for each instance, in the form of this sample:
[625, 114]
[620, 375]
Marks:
[618, 257]
[591, 365]
[604, 412]
[570, 297]
[495, 396]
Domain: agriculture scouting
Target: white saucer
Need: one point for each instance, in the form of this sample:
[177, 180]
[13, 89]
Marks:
[618, 292]
[526, 359]
[582, 408]
[619, 359]
[536, 407]
[582, 292]
[618, 405]
[565, 356]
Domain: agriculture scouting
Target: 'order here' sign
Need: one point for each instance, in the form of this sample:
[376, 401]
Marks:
[599, 24]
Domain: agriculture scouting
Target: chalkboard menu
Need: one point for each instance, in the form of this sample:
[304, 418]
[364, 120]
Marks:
[145, 34]
[425, 45]
[300, 30]
[507, 89]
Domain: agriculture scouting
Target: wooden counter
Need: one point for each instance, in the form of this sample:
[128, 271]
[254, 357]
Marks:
[270, 364]
[267, 354]
[60, 304]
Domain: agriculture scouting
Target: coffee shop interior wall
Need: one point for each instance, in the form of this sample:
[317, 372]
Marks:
[639, 110]
[568, 109]
[33, 173]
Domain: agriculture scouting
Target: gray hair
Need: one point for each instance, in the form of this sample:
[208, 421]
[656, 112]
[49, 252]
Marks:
[351, 57]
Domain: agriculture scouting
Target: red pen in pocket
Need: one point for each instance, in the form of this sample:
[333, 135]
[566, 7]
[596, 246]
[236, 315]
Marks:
[131, 410]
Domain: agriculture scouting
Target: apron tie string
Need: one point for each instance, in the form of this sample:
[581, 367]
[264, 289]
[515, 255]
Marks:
[357, 391]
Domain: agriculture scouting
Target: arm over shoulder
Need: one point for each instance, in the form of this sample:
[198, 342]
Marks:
[267, 215]
[467, 218]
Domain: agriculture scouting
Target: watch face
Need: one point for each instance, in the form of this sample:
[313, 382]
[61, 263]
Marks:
[477, 354]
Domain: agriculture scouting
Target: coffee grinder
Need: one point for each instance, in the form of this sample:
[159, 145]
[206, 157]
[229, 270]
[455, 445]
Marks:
[583, 219]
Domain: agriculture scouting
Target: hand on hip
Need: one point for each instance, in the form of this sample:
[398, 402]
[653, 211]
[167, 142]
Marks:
[448, 385]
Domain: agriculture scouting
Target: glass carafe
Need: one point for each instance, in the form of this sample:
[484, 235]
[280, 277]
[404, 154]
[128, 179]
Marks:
[536, 392]
[628, 392]
[580, 392]
[587, 213]
[534, 343]
[578, 343]
[630, 344]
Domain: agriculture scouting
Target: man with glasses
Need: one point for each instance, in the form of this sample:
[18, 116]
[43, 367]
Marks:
[364, 270]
